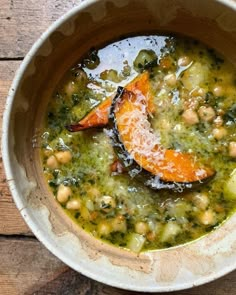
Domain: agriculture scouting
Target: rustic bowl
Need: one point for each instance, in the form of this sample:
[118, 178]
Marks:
[93, 23]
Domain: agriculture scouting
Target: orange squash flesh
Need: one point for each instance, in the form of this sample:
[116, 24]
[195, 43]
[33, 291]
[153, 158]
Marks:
[135, 133]
[98, 117]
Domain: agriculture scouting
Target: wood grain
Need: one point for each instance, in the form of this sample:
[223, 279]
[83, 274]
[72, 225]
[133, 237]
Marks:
[26, 267]
[11, 221]
[23, 21]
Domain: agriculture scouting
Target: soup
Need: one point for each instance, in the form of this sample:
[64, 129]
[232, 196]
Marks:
[139, 142]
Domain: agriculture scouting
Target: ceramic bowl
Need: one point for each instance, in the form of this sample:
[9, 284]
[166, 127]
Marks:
[90, 24]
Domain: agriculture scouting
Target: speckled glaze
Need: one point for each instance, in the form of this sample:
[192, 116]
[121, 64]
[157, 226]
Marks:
[93, 23]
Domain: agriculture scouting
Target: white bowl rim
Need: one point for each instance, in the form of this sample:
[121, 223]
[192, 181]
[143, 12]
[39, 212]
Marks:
[13, 186]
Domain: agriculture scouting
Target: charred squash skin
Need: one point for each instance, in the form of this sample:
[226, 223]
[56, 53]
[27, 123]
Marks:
[98, 117]
[141, 153]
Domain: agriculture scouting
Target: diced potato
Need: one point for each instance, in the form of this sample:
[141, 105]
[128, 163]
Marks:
[195, 75]
[89, 205]
[170, 80]
[230, 187]
[93, 193]
[136, 242]
[85, 214]
[81, 77]
[207, 217]
[70, 88]
[179, 209]
[170, 230]
[201, 200]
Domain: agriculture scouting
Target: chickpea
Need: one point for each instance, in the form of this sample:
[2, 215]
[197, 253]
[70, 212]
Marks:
[141, 228]
[104, 228]
[52, 162]
[219, 133]
[74, 204]
[119, 224]
[201, 200]
[218, 90]
[107, 203]
[170, 80]
[190, 117]
[207, 114]
[184, 61]
[207, 217]
[63, 193]
[63, 157]
[232, 149]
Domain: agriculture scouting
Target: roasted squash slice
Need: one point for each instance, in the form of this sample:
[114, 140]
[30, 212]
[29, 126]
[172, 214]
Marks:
[139, 148]
[98, 117]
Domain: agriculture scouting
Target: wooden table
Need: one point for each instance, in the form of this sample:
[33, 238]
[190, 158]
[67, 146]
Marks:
[26, 266]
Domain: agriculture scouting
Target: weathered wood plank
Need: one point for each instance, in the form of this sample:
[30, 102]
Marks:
[23, 21]
[11, 221]
[26, 267]
[7, 72]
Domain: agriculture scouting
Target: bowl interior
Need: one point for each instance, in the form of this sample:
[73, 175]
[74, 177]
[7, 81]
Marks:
[93, 24]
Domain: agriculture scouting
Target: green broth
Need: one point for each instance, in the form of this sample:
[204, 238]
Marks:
[194, 91]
